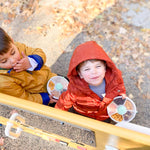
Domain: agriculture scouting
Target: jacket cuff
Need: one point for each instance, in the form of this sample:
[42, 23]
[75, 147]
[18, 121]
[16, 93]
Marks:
[45, 98]
[38, 59]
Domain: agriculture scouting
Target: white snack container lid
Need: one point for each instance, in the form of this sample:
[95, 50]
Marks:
[121, 109]
[60, 84]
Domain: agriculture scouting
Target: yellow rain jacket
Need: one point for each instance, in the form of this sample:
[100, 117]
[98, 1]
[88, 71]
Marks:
[29, 85]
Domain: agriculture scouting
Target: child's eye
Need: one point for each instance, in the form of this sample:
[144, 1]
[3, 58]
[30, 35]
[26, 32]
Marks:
[98, 66]
[4, 61]
[13, 52]
[86, 69]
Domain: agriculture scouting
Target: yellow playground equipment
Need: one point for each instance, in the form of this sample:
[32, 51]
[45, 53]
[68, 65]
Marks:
[108, 136]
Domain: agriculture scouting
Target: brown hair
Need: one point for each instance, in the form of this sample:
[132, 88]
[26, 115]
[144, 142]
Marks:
[5, 41]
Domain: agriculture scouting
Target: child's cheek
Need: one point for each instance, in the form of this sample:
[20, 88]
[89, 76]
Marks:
[86, 75]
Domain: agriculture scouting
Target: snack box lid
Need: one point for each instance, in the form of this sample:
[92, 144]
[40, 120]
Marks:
[121, 109]
[56, 85]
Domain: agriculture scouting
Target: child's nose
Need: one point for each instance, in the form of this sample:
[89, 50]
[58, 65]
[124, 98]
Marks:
[94, 71]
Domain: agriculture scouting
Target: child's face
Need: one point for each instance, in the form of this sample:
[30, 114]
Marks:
[93, 72]
[10, 58]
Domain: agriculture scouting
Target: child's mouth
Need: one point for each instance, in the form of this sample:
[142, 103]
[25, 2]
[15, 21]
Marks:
[95, 77]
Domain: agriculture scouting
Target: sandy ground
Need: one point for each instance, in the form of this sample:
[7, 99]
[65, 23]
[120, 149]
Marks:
[124, 32]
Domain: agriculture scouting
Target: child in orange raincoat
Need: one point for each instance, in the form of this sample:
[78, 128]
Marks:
[94, 82]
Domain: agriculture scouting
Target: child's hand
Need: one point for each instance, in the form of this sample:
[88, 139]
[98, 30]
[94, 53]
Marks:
[52, 100]
[124, 96]
[23, 64]
[102, 105]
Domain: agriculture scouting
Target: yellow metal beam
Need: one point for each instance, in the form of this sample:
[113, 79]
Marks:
[106, 134]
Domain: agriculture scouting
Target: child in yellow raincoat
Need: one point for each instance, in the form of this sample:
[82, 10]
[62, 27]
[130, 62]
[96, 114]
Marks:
[22, 71]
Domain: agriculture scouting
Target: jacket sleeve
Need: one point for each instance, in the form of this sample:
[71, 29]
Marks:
[115, 87]
[65, 101]
[12, 88]
[117, 90]
[39, 61]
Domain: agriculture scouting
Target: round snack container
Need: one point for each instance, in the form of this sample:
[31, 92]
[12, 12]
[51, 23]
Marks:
[56, 85]
[121, 109]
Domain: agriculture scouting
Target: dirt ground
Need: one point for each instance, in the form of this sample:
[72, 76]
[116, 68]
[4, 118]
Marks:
[58, 26]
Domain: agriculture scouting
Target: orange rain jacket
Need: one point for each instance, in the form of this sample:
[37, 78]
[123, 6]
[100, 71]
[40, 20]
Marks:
[79, 95]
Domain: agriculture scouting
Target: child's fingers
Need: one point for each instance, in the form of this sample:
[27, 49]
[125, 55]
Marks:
[18, 68]
[54, 100]
[23, 54]
[124, 96]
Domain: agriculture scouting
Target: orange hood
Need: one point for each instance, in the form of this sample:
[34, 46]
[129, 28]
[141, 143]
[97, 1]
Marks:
[85, 51]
